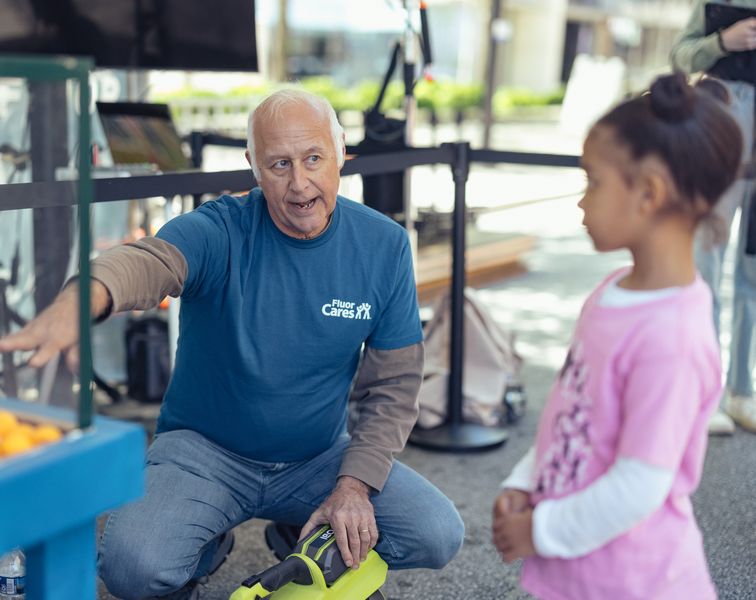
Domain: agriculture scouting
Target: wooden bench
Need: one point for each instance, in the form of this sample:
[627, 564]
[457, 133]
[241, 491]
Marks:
[489, 257]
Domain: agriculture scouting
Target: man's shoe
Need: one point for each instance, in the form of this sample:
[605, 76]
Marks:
[720, 423]
[742, 409]
[191, 589]
[281, 538]
[225, 545]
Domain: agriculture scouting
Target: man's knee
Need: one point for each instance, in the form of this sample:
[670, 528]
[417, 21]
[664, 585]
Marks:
[435, 538]
[444, 535]
[132, 570]
[126, 577]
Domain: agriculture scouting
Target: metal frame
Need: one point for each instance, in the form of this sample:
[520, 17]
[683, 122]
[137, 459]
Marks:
[63, 68]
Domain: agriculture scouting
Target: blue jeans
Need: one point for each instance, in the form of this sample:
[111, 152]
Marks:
[196, 490]
[710, 254]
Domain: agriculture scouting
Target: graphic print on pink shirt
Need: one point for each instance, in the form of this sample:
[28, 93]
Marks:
[564, 465]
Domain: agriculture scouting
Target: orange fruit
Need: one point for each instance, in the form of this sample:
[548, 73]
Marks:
[8, 422]
[24, 428]
[15, 443]
[44, 434]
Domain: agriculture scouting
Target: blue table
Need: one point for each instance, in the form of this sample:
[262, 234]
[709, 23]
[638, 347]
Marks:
[50, 499]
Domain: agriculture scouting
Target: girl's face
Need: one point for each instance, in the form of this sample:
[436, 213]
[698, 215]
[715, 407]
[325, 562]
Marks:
[611, 199]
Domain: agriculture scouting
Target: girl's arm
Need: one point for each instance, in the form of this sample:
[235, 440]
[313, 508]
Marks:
[521, 477]
[580, 523]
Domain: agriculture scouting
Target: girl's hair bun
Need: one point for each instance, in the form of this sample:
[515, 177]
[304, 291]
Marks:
[672, 99]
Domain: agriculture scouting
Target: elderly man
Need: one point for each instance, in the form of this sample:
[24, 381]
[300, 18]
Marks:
[283, 292]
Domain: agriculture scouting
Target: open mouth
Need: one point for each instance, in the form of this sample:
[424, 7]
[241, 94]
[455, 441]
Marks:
[305, 205]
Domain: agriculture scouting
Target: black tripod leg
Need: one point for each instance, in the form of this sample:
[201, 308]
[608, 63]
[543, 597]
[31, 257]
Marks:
[750, 246]
[112, 393]
[10, 383]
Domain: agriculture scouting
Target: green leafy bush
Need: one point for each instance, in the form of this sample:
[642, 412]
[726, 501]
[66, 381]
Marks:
[507, 100]
[445, 97]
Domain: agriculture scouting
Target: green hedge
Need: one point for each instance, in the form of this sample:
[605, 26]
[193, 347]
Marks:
[441, 96]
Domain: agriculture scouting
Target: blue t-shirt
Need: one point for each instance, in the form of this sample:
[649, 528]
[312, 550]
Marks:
[271, 327]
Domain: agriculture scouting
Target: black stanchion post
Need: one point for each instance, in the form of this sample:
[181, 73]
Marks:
[460, 173]
[455, 434]
[197, 145]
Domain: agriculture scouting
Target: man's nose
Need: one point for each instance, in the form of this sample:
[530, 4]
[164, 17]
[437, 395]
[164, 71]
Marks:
[299, 179]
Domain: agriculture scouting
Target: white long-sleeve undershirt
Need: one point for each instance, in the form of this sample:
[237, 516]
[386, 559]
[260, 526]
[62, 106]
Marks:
[582, 522]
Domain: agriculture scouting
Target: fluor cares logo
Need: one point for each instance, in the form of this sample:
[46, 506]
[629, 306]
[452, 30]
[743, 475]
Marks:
[346, 310]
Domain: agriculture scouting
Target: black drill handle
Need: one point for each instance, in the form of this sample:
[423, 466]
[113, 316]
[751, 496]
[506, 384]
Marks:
[277, 576]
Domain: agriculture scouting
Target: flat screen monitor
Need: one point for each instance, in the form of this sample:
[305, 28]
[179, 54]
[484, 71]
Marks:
[199, 35]
[140, 133]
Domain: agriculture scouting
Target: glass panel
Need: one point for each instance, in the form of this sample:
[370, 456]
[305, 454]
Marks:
[44, 229]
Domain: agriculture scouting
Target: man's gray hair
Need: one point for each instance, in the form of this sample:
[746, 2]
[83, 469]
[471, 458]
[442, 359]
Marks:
[271, 107]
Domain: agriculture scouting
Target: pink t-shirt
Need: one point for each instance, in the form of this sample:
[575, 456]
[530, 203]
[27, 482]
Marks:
[638, 382]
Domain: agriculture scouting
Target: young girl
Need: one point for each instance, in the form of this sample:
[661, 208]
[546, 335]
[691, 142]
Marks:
[600, 507]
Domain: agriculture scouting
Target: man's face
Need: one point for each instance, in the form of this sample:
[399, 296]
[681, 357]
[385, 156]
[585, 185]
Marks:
[299, 169]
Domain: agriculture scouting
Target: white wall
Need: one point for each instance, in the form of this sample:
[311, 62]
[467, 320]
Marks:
[533, 56]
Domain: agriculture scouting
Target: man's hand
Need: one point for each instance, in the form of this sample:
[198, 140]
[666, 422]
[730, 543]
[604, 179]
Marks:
[513, 525]
[351, 515]
[56, 329]
[741, 36]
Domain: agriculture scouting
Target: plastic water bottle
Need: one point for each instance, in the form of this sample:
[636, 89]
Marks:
[13, 575]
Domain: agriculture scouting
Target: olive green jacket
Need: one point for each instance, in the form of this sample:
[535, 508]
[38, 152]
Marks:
[693, 51]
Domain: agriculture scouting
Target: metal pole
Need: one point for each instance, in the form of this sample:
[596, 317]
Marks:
[490, 73]
[455, 435]
[410, 108]
[460, 172]
[197, 143]
[85, 236]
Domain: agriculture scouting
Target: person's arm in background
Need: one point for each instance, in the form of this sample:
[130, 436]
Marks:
[694, 51]
[137, 275]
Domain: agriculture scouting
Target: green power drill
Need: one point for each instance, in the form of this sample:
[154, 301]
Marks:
[315, 571]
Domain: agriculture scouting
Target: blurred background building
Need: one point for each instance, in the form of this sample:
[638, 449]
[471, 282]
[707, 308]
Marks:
[529, 47]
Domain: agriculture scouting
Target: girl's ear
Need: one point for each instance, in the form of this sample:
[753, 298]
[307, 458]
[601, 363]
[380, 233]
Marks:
[656, 188]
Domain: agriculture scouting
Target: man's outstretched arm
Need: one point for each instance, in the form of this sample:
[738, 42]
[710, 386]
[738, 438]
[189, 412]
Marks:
[133, 276]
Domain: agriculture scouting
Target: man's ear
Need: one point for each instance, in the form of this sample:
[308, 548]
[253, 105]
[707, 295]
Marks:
[343, 148]
[248, 157]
